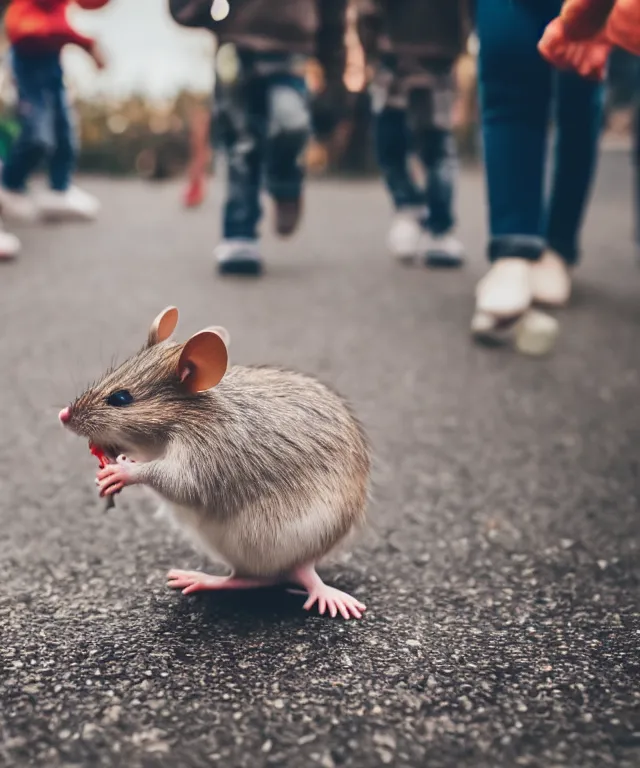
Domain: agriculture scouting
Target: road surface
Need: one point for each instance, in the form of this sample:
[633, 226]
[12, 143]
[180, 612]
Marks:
[501, 562]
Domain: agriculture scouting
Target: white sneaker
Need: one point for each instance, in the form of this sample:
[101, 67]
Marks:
[73, 204]
[405, 234]
[9, 245]
[238, 257]
[18, 206]
[442, 250]
[551, 280]
[505, 291]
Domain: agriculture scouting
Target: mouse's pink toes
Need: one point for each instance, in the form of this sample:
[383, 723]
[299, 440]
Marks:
[334, 601]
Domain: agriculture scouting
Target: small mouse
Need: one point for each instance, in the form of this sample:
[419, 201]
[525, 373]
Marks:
[264, 468]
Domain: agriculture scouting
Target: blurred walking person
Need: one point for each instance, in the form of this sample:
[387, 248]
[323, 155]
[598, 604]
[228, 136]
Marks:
[9, 243]
[582, 37]
[412, 47]
[534, 238]
[38, 30]
[261, 111]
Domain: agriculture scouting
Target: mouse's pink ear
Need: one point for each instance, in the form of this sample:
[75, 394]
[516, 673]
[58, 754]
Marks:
[163, 326]
[203, 361]
[222, 332]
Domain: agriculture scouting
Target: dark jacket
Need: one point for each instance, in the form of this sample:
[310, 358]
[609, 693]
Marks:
[311, 27]
[435, 29]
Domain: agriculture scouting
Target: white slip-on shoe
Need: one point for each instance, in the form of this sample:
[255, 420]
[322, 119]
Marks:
[503, 310]
[551, 280]
[503, 296]
[505, 291]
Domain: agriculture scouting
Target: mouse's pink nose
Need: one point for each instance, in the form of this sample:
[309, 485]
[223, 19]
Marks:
[65, 415]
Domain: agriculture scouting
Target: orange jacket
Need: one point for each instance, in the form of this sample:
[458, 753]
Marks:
[42, 25]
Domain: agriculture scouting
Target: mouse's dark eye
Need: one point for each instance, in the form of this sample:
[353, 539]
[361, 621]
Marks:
[120, 398]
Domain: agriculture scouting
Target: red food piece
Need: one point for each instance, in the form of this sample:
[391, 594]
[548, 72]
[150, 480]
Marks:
[102, 458]
[99, 454]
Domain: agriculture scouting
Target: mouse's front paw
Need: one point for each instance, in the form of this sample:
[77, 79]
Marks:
[112, 478]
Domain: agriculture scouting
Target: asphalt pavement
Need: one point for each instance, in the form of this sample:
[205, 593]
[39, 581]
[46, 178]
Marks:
[500, 566]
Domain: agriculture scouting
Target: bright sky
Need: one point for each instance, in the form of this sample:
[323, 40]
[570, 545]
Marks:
[147, 51]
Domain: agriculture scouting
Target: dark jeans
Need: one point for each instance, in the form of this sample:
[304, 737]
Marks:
[410, 116]
[46, 127]
[517, 89]
[636, 150]
[262, 120]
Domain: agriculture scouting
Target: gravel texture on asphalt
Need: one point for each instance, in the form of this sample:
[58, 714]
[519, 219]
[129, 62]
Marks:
[500, 566]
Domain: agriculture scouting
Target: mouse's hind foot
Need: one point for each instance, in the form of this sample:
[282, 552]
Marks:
[197, 581]
[328, 598]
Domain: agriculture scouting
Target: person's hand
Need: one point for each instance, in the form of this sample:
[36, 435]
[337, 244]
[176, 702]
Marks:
[617, 21]
[584, 19]
[97, 55]
[587, 57]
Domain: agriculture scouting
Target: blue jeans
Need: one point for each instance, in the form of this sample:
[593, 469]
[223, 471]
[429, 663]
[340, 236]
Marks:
[262, 120]
[410, 116]
[517, 90]
[636, 150]
[46, 127]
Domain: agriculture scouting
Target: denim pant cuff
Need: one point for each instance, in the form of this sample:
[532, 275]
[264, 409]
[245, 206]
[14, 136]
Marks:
[238, 231]
[405, 199]
[12, 188]
[568, 251]
[527, 247]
